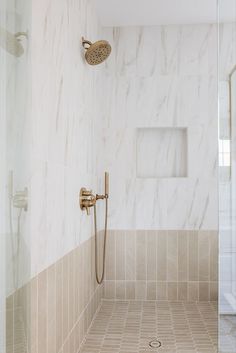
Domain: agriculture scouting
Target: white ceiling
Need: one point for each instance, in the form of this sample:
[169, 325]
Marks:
[159, 12]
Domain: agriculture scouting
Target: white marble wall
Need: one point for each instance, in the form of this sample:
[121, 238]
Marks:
[161, 153]
[65, 115]
[161, 77]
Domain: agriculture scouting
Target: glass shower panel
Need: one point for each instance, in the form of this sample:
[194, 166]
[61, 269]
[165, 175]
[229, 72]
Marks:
[2, 184]
[227, 177]
[233, 135]
[15, 172]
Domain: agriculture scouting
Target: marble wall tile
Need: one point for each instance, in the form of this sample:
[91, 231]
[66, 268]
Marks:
[63, 127]
[161, 153]
[177, 87]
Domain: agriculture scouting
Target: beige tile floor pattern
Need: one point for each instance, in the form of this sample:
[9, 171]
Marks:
[129, 326]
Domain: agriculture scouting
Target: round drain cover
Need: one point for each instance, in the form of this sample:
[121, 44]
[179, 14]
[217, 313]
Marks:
[155, 344]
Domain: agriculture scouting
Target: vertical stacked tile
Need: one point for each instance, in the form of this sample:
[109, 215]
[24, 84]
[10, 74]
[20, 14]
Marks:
[52, 313]
[162, 265]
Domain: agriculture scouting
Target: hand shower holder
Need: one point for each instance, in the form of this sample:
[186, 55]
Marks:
[88, 200]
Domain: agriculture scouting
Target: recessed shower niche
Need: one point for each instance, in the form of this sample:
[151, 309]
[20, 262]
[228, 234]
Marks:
[162, 152]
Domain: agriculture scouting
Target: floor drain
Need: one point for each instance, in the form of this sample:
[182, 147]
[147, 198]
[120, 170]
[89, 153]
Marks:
[155, 344]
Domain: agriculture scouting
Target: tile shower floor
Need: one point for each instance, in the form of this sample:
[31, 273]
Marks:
[128, 327]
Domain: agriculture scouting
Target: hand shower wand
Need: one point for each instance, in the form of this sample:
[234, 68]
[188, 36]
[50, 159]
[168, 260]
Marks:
[88, 200]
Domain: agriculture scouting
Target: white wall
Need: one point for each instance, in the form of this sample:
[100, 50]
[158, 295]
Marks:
[162, 76]
[65, 115]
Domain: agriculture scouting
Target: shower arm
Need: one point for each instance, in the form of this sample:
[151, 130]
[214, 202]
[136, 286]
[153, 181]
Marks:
[84, 42]
[101, 197]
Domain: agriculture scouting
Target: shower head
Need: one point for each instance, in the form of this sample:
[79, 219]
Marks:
[96, 52]
[11, 42]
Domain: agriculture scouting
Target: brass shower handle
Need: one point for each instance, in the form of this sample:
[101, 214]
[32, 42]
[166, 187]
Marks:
[86, 199]
[86, 192]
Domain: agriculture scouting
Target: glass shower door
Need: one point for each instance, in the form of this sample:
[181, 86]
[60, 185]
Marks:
[2, 184]
[227, 178]
[233, 124]
[15, 176]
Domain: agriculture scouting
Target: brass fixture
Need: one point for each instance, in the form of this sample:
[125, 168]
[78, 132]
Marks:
[88, 200]
[96, 52]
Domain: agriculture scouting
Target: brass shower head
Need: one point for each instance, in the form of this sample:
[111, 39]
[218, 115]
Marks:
[96, 52]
